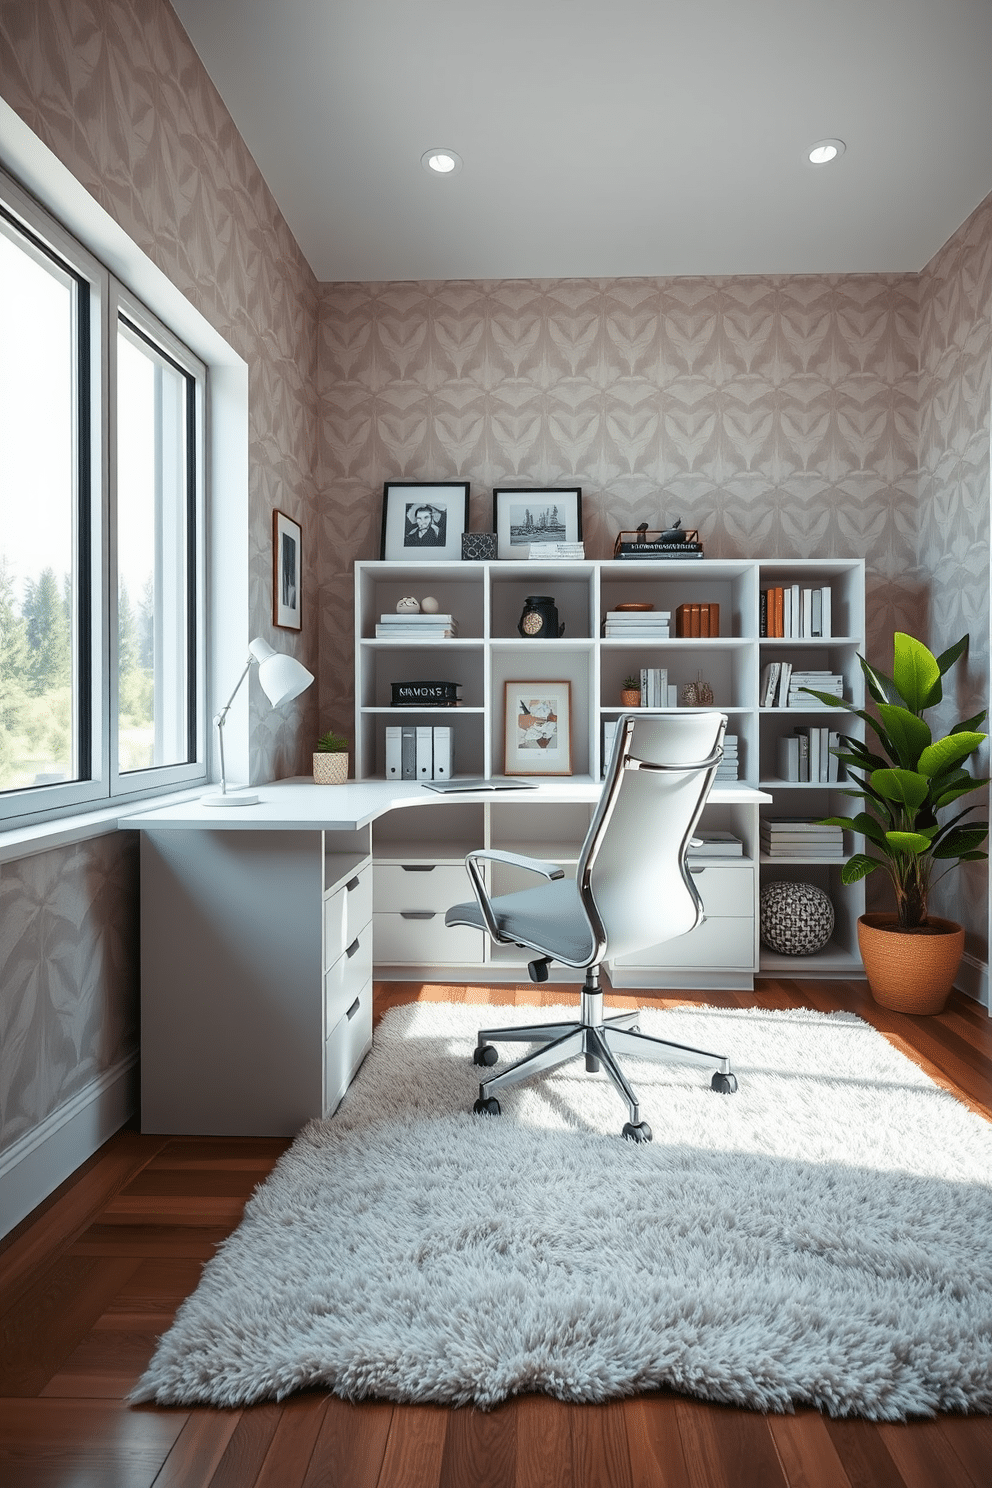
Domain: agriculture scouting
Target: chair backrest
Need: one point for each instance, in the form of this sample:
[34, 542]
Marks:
[632, 875]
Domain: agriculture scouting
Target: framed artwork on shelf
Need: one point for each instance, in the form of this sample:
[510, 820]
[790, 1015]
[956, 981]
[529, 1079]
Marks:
[533, 515]
[423, 521]
[287, 572]
[538, 728]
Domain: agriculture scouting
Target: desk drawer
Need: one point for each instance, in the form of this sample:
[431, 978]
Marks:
[346, 912]
[348, 975]
[719, 941]
[419, 886]
[401, 941]
[724, 890]
[346, 1046]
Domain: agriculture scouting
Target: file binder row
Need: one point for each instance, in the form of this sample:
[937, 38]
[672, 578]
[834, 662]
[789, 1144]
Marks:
[418, 752]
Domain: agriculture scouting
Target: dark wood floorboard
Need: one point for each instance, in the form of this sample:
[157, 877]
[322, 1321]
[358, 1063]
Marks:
[95, 1275]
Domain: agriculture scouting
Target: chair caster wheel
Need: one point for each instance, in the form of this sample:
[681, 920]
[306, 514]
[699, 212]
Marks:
[639, 1133]
[485, 1054]
[488, 1107]
[724, 1084]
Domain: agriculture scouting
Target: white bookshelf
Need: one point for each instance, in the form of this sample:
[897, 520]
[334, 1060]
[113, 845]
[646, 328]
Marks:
[487, 599]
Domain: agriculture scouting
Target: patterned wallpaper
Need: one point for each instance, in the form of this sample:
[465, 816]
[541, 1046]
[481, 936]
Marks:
[953, 545]
[115, 90]
[776, 415]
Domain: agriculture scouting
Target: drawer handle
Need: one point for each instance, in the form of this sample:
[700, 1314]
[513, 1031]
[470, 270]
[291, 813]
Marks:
[418, 867]
[352, 948]
[354, 1008]
[352, 885]
[417, 914]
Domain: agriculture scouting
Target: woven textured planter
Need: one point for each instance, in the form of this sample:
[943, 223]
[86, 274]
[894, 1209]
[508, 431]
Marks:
[910, 971]
[629, 698]
[330, 769]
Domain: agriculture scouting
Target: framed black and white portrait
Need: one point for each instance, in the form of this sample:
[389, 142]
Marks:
[525, 518]
[423, 522]
[287, 572]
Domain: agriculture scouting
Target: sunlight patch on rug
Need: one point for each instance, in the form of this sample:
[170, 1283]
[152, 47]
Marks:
[821, 1238]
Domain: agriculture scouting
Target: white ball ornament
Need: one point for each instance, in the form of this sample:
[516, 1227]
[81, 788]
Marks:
[429, 605]
[408, 606]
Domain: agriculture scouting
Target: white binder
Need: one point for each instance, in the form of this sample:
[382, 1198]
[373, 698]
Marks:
[425, 752]
[394, 752]
[442, 752]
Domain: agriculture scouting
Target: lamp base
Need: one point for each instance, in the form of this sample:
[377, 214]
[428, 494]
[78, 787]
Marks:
[234, 798]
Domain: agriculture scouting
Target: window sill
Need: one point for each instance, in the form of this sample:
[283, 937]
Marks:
[65, 831]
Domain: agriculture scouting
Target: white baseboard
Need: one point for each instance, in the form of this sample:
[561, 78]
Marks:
[51, 1151]
[973, 979]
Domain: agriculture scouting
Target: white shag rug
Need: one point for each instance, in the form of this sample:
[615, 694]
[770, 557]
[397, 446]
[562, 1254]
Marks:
[822, 1238]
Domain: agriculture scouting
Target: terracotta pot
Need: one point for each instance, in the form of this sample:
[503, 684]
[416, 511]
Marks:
[629, 698]
[911, 971]
[330, 769]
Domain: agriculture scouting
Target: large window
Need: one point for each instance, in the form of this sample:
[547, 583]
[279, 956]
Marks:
[101, 518]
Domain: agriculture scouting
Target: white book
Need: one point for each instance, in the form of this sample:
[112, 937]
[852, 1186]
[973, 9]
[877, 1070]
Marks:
[442, 752]
[409, 751]
[833, 768]
[635, 617]
[673, 695]
[783, 684]
[425, 751]
[797, 600]
[788, 757]
[394, 752]
[825, 630]
[787, 613]
[408, 617]
[769, 683]
[816, 613]
[806, 625]
[609, 734]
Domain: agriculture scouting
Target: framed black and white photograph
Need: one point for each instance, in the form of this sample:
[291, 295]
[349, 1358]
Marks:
[523, 518]
[287, 572]
[423, 522]
[538, 728]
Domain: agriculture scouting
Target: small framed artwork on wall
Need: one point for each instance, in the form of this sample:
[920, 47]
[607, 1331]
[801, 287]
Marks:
[538, 728]
[287, 572]
[423, 521]
[526, 517]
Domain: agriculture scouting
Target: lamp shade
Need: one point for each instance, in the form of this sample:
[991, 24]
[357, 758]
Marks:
[282, 677]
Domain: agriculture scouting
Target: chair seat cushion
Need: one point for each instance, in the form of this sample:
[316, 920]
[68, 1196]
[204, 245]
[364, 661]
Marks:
[548, 918]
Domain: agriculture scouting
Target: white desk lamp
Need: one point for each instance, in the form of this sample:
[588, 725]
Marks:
[283, 678]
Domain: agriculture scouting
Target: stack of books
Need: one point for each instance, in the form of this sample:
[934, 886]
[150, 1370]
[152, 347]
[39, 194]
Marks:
[804, 755]
[656, 691]
[642, 624]
[424, 627]
[697, 620]
[727, 769]
[657, 545]
[707, 842]
[801, 837]
[418, 752]
[792, 612]
[783, 686]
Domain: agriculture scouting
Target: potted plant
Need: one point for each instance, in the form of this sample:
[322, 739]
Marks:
[330, 762]
[908, 779]
[630, 692]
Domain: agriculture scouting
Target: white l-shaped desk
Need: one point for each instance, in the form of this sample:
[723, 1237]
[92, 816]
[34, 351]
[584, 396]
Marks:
[257, 945]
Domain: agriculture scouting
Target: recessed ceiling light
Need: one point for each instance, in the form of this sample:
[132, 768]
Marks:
[441, 162]
[825, 150]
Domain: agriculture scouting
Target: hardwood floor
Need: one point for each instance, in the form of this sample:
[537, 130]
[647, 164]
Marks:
[90, 1280]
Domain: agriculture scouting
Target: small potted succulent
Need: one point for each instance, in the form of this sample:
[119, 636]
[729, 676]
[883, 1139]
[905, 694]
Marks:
[630, 692]
[905, 776]
[330, 762]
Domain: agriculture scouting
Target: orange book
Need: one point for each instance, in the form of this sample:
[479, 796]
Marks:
[709, 620]
[778, 629]
[694, 619]
[682, 620]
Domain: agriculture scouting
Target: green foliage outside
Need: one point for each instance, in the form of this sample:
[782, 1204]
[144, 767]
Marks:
[36, 690]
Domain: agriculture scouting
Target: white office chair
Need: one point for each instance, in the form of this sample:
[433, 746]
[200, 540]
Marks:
[632, 889]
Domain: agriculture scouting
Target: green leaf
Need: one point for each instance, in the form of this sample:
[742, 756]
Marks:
[911, 842]
[956, 792]
[915, 672]
[838, 821]
[962, 840]
[947, 658]
[880, 687]
[947, 752]
[904, 787]
[970, 723]
[829, 698]
[973, 857]
[857, 868]
[869, 827]
[910, 735]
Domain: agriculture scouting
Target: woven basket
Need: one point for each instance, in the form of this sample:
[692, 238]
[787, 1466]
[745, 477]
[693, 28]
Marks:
[330, 769]
[910, 971]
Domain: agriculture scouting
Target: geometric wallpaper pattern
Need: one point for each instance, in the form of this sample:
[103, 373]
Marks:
[777, 415]
[781, 416]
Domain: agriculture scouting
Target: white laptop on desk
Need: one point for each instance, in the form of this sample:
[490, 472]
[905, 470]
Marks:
[478, 783]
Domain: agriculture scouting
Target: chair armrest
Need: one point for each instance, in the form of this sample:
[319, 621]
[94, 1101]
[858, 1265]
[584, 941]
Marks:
[518, 860]
[514, 860]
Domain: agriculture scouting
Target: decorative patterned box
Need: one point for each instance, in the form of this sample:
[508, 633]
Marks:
[479, 547]
[424, 694]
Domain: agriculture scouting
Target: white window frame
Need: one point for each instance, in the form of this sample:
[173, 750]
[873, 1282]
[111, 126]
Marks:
[104, 784]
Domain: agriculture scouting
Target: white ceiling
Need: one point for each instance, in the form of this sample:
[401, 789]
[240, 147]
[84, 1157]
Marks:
[606, 138]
